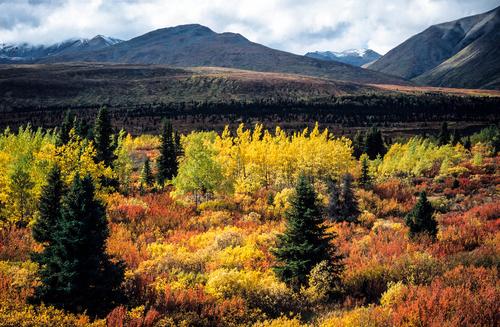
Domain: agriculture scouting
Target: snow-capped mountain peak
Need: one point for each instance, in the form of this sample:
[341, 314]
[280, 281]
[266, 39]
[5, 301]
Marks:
[26, 52]
[355, 57]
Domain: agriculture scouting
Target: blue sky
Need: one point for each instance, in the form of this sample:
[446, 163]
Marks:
[292, 25]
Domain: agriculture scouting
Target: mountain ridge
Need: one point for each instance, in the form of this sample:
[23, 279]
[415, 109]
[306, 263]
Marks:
[28, 53]
[355, 57]
[195, 45]
[441, 55]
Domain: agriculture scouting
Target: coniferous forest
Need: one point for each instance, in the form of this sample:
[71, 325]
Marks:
[247, 226]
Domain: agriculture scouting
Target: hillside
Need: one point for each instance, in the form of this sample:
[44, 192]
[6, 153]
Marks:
[141, 95]
[477, 65]
[461, 53]
[197, 45]
[118, 85]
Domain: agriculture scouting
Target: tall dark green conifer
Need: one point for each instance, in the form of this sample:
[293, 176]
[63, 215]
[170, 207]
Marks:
[167, 161]
[103, 137]
[421, 218]
[76, 272]
[49, 207]
[374, 143]
[364, 179]
[67, 124]
[455, 137]
[146, 174]
[305, 242]
[444, 134]
[83, 129]
[467, 143]
[334, 209]
[178, 145]
[358, 144]
[350, 211]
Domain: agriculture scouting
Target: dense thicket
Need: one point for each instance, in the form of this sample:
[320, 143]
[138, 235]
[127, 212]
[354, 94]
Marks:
[348, 111]
[201, 252]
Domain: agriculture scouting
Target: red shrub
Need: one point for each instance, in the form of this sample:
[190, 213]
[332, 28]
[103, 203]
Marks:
[117, 317]
[394, 189]
[198, 307]
[164, 213]
[462, 297]
[121, 245]
[466, 231]
[16, 244]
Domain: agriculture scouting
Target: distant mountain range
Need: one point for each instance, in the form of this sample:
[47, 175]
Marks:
[464, 53]
[24, 52]
[461, 53]
[196, 45]
[355, 57]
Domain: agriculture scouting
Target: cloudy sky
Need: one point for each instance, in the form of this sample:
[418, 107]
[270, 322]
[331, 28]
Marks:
[293, 25]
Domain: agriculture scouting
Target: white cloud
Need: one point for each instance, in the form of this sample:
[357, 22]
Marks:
[292, 25]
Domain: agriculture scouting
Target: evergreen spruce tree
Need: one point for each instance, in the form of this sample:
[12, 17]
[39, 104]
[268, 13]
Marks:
[305, 242]
[83, 129]
[364, 179]
[421, 218]
[374, 143]
[67, 124]
[467, 143]
[178, 145]
[350, 210]
[103, 138]
[49, 207]
[358, 144]
[76, 272]
[444, 134]
[167, 161]
[334, 209]
[455, 137]
[146, 174]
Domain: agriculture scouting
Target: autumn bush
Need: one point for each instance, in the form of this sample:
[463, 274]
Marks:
[203, 255]
[461, 297]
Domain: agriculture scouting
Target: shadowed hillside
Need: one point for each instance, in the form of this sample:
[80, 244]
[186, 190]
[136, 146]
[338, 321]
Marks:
[461, 53]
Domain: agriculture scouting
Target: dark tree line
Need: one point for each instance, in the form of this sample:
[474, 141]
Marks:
[349, 111]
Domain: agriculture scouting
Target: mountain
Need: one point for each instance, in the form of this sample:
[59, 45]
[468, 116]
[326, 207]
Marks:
[355, 57]
[197, 45]
[461, 53]
[26, 53]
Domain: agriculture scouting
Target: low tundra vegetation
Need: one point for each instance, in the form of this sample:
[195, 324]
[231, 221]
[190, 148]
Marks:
[249, 227]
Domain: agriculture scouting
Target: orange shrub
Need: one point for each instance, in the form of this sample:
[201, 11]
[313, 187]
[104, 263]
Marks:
[121, 245]
[394, 189]
[16, 243]
[164, 213]
[467, 231]
[462, 297]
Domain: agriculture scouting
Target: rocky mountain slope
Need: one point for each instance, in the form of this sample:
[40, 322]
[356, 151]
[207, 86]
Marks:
[461, 53]
[197, 45]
